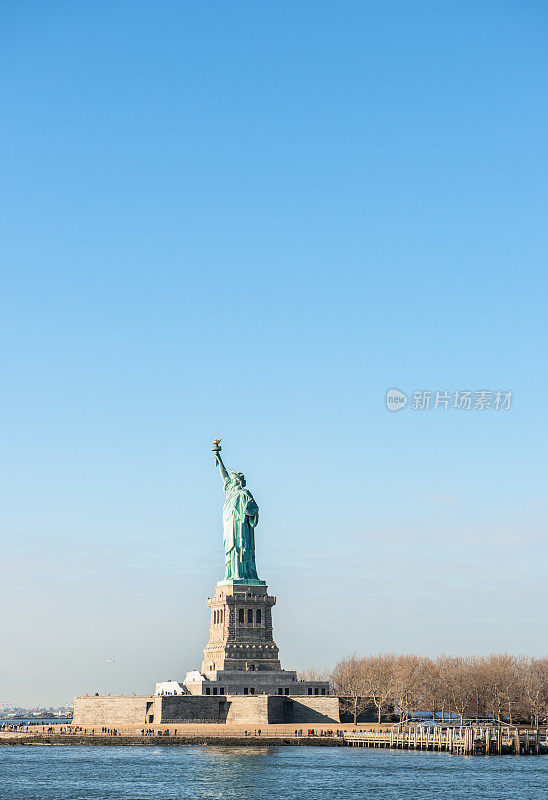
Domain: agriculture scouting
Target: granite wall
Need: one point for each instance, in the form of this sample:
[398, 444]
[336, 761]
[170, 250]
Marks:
[96, 712]
[242, 710]
[312, 709]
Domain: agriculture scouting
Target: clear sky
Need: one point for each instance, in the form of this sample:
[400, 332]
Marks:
[250, 220]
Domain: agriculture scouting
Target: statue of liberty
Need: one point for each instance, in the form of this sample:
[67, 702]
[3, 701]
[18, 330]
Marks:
[240, 518]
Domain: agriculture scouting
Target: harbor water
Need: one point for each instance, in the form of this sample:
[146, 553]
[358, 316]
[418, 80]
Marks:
[202, 772]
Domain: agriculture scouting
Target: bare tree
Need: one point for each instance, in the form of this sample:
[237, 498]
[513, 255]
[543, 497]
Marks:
[312, 674]
[462, 692]
[431, 689]
[503, 686]
[407, 683]
[380, 680]
[536, 688]
[445, 668]
[479, 680]
[348, 682]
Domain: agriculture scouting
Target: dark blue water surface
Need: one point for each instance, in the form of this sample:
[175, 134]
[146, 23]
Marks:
[263, 773]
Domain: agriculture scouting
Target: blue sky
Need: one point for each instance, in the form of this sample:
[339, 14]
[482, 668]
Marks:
[250, 221]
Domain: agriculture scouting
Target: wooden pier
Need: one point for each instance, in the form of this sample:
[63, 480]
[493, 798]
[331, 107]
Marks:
[457, 740]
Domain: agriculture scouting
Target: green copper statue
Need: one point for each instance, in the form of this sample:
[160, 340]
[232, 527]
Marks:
[240, 517]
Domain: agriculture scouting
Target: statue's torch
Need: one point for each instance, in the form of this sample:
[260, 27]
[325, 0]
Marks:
[217, 445]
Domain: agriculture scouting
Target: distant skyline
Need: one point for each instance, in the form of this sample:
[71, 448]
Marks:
[251, 221]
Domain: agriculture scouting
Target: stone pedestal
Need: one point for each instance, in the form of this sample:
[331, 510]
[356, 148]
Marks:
[240, 632]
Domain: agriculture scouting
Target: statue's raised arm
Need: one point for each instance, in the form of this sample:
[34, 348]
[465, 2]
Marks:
[218, 460]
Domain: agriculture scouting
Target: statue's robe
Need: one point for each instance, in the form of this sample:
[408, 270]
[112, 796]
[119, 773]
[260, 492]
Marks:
[240, 516]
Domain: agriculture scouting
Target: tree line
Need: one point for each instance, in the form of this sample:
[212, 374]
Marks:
[504, 687]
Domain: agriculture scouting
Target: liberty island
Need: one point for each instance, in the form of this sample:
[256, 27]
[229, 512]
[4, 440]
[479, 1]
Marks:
[241, 683]
[241, 679]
